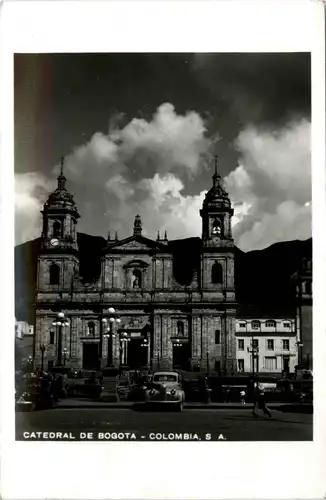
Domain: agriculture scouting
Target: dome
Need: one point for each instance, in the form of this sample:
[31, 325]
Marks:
[217, 197]
[61, 198]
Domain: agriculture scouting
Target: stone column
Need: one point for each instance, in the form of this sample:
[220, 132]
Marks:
[196, 339]
[166, 360]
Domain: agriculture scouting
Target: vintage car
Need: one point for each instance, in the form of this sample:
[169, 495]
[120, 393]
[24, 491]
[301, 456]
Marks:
[34, 393]
[165, 388]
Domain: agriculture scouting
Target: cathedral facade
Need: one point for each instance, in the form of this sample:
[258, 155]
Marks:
[137, 313]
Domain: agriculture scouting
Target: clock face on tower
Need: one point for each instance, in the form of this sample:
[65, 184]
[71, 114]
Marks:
[54, 242]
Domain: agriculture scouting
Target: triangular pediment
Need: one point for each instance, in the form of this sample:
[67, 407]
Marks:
[135, 243]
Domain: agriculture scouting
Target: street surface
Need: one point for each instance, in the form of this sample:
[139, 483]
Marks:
[130, 424]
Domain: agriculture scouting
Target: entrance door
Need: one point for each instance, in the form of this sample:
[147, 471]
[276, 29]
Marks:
[90, 356]
[286, 364]
[181, 356]
[137, 353]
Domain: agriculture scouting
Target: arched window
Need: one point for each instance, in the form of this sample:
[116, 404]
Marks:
[255, 325]
[180, 328]
[56, 230]
[54, 274]
[91, 329]
[217, 227]
[217, 273]
[136, 278]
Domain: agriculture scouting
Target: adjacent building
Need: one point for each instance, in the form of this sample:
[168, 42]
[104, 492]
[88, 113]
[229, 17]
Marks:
[303, 286]
[266, 346]
[22, 329]
[140, 311]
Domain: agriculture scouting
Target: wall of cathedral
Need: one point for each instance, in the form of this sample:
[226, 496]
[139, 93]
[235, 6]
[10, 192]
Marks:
[118, 272]
[68, 266]
[209, 335]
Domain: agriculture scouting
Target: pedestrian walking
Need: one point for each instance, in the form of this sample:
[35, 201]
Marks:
[207, 390]
[243, 397]
[227, 394]
[259, 400]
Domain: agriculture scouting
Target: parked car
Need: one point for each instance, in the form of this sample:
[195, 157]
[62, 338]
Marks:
[165, 388]
[82, 383]
[34, 393]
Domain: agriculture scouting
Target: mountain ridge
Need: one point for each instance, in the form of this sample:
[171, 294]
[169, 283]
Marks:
[262, 277]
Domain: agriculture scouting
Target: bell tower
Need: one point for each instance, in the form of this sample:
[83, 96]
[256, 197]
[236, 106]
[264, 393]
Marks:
[216, 215]
[217, 276]
[58, 261]
[217, 242]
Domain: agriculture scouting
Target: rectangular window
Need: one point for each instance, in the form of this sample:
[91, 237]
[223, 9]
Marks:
[241, 344]
[217, 336]
[270, 363]
[287, 325]
[51, 337]
[270, 324]
[286, 344]
[242, 325]
[270, 345]
[254, 343]
[241, 365]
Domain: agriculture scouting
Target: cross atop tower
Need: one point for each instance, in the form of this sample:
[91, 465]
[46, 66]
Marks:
[61, 178]
[216, 177]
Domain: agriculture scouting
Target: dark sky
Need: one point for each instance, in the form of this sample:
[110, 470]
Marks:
[62, 100]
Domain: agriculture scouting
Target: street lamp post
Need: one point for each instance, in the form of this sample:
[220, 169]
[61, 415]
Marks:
[253, 350]
[124, 339]
[60, 323]
[145, 345]
[42, 349]
[177, 344]
[65, 354]
[110, 333]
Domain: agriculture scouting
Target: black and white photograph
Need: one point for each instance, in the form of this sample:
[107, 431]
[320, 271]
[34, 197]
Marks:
[163, 262]
[163, 258]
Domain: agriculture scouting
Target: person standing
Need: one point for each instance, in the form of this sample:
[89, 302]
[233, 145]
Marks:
[259, 400]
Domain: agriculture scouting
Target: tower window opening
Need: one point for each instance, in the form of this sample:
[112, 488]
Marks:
[180, 328]
[56, 231]
[136, 278]
[91, 328]
[217, 227]
[217, 273]
[54, 274]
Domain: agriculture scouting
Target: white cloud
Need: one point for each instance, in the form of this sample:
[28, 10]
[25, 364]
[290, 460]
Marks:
[31, 190]
[271, 188]
[169, 141]
[142, 168]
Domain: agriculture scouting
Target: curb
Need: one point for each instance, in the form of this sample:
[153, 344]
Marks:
[187, 406]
